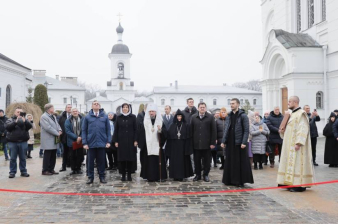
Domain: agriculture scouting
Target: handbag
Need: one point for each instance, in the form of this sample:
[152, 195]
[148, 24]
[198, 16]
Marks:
[76, 146]
[268, 149]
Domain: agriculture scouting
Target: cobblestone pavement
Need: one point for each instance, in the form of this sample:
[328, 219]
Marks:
[317, 205]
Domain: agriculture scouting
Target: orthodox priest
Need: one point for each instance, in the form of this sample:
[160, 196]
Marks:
[152, 156]
[295, 166]
[178, 147]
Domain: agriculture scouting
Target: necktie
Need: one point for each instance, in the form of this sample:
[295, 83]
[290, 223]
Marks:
[97, 114]
[168, 117]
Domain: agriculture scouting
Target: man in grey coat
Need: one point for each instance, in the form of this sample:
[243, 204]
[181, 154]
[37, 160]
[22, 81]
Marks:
[50, 134]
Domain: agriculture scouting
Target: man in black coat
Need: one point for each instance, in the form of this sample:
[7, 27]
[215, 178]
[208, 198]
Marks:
[313, 118]
[237, 167]
[204, 134]
[66, 152]
[3, 132]
[273, 122]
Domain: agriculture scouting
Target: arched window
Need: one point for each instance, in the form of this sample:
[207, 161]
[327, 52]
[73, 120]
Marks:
[201, 100]
[8, 95]
[254, 102]
[214, 102]
[162, 102]
[229, 101]
[120, 67]
[121, 85]
[319, 100]
[311, 13]
[242, 101]
[172, 102]
[299, 16]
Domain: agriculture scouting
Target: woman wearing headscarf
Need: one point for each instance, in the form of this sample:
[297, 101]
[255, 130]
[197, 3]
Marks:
[331, 143]
[179, 144]
[220, 125]
[111, 152]
[125, 140]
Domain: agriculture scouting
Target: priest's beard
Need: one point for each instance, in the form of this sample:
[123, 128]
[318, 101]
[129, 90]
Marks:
[153, 117]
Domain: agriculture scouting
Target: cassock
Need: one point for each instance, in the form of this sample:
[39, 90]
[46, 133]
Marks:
[153, 166]
[237, 167]
[295, 167]
[331, 144]
[178, 148]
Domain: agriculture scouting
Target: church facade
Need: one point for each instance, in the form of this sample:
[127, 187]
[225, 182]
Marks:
[120, 88]
[300, 54]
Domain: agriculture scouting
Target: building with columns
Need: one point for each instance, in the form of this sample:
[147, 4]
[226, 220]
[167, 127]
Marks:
[300, 54]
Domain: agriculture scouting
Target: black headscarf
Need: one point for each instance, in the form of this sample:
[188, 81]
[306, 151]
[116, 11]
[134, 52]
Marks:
[175, 121]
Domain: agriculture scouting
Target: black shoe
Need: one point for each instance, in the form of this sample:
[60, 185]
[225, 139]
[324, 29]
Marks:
[62, 170]
[222, 167]
[206, 179]
[197, 178]
[109, 168]
[11, 175]
[54, 173]
[79, 172]
[29, 157]
[123, 177]
[24, 175]
[163, 180]
[90, 181]
[260, 167]
[315, 164]
[265, 164]
[331, 165]
[73, 172]
[178, 179]
[47, 173]
[297, 189]
[103, 180]
[129, 177]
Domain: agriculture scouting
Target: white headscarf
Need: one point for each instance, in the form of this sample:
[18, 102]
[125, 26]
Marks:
[152, 140]
[129, 111]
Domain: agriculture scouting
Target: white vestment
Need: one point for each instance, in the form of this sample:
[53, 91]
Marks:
[152, 140]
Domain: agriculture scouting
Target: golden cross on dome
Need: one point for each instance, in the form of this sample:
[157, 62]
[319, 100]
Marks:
[119, 15]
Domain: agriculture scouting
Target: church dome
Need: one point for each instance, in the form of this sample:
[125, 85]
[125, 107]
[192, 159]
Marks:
[120, 49]
[119, 29]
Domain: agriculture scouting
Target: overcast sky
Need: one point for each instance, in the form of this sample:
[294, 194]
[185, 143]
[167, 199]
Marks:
[193, 41]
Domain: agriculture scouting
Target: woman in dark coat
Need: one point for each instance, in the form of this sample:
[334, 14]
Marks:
[220, 125]
[331, 143]
[125, 140]
[179, 144]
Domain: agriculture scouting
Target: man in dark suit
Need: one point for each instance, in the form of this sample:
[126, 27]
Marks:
[167, 122]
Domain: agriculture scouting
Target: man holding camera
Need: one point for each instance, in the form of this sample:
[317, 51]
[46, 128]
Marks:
[17, 136]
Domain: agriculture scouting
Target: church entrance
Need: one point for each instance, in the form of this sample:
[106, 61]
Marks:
[285, 99]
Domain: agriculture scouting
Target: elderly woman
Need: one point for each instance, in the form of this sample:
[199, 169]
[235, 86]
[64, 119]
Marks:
[259, 132]
[220, 125]
[331, 143]
[50, 137]
[31, 140]
[125, 140]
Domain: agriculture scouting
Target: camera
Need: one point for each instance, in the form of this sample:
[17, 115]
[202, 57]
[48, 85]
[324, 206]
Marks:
[22, 114]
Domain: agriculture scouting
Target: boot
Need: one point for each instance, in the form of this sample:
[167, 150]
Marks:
[255, 166]
[260, 166]
[123, 177]
[129, 177]
[29, 155]
[272, 164]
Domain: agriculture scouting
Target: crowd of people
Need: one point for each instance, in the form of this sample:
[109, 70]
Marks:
[184, 143]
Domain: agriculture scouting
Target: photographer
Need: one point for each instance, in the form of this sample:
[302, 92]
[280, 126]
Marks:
[3, 131]
[17, 136]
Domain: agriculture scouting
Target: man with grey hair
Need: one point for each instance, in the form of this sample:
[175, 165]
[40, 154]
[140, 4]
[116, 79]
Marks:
[50, 137]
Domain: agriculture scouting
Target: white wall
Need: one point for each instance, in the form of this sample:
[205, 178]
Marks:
[57, 96]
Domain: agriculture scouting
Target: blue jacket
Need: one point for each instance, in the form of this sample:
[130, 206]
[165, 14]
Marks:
[96, 130]
[69, 129]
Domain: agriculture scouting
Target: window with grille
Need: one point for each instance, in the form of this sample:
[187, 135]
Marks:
[214, 102]
[162, 102]
[254, 102]
[299, 16]
[74, 101]
[242, 101]
[319, 100]
[323, 10]
[65, 100]
[311, 14]
[172, 102]
[201, 100]
[229, 101]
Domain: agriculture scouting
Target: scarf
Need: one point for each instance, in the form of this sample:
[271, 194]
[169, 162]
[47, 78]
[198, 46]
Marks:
[76, 125]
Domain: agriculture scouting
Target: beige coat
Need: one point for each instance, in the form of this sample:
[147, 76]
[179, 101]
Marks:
[31, 132]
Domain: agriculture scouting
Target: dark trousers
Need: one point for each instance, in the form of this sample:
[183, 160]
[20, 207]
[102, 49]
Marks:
[49, 160]
[314, 148]
[126, 167]
[272, 155]
[29, 149]
[258, 158]
[98, 154]
[76, 159]
[65, 156]
[214, 156]
[17, 149]
[198, 155]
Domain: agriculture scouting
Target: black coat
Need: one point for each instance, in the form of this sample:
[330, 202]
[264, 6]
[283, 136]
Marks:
[203, 131]
[241, 128]
[140, 130]
[313, 126]
[220, 124]
[62, 121]
[331, 145]
[125, 134]
[273, 122]
[3, 130]
[335, 128]
[17, 131]
[188, 114]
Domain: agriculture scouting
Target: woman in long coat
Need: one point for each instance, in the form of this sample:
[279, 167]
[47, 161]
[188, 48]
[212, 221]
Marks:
[220, 125]
[179, 144]
[331, 143]
[125, 140]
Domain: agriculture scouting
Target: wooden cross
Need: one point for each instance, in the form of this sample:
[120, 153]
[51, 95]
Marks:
[119, 15]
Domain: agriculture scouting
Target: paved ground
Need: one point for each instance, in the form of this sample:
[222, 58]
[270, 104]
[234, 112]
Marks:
[317, 205]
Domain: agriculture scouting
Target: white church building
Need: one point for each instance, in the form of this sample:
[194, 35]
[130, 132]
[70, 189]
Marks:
[300, 54]
[120, 89]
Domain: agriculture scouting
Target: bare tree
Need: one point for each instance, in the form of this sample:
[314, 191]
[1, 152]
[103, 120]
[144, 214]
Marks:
[253, 84]
[91, 90]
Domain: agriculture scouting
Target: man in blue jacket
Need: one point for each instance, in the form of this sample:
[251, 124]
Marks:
[95, 138]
